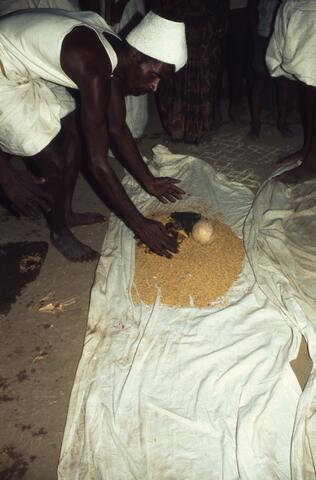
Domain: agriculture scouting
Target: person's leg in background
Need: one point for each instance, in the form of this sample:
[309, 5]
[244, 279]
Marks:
[259, 85]
[306, 100]
[236, 61]
[283, 96]
[306, 156]
[309, 122]
[257, 94]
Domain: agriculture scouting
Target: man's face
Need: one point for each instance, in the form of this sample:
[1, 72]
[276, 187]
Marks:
[145, 76]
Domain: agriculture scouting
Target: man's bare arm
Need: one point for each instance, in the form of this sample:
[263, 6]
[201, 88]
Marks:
[164, 188]
[83, 58]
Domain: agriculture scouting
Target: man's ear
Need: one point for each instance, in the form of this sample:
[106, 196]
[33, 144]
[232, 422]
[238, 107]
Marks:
[134, 56]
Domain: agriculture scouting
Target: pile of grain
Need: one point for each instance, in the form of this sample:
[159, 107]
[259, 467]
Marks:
[202, 272]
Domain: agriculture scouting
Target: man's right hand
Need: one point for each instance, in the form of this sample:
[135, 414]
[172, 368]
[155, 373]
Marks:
[26, 193]
[156, 237]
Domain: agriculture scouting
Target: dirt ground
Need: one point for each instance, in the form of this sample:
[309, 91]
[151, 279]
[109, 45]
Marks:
[44, 301]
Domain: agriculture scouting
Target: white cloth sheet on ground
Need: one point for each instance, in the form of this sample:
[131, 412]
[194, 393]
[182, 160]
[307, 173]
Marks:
[291, 50]
[280, 236]
[185, 393]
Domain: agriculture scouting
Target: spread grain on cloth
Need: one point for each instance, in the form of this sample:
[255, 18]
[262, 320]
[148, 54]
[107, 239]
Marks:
[197, 275]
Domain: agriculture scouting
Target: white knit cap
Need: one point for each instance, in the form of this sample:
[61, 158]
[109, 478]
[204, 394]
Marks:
[161, 39]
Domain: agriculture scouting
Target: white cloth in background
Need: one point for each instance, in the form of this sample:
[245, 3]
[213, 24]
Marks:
[280, 235]
[32, 82]
[8, 6]
[291, 50]
[168, 393]
[136, 107]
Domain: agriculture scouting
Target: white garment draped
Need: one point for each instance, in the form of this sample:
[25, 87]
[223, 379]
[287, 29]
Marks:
[8, 6]
[32, 82]
[291, 50]
[186, 393]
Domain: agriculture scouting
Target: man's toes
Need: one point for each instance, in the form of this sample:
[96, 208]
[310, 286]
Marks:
[75, 251]
[90, 255]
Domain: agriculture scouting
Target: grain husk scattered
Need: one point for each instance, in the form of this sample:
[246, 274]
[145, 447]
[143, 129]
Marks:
[198, 275]
[30, 262]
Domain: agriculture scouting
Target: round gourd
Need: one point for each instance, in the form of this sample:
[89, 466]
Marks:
[203, 232]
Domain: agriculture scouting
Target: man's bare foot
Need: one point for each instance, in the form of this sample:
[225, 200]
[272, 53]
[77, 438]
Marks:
[296, 157]
[285, 130]
[254, 132]
[68, 245]
[297, 175]
[77, 219]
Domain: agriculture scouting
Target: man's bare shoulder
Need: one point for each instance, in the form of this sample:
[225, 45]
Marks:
[83, 55]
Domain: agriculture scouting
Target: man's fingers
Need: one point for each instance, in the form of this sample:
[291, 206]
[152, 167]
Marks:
[38, 180]
[33, 207]
[44, 195]
[170, 197]
[178, 190]
[34, 210]
[36, 188]
[45, 205]
[18, 209]
[169, 242]
[162, 199]
[159, 240]
[175, 187]
[40, 200]
[172, 182]
[163, 252]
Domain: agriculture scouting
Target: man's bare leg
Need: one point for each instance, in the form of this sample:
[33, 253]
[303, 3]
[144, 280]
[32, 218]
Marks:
[283, 90]
[72, 153]
[307, 111]
[309, 161]
[307, 169]
[54, 167]
[256, 106]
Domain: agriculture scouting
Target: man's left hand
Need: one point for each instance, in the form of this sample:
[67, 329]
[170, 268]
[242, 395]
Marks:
[165, 189]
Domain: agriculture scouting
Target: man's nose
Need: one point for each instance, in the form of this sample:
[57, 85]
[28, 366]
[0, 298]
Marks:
[154, 85]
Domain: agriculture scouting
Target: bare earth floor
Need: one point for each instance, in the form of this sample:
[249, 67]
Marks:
[42, 329]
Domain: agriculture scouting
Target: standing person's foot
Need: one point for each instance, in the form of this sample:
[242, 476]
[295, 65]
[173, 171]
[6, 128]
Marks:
[296, 157]
[298, 174]
[254, 132]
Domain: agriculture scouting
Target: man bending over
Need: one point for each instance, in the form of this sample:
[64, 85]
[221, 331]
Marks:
[42, 52]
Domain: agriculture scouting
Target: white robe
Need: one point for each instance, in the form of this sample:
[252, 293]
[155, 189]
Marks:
[8, 6]
[32, 83]
[291, 50]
